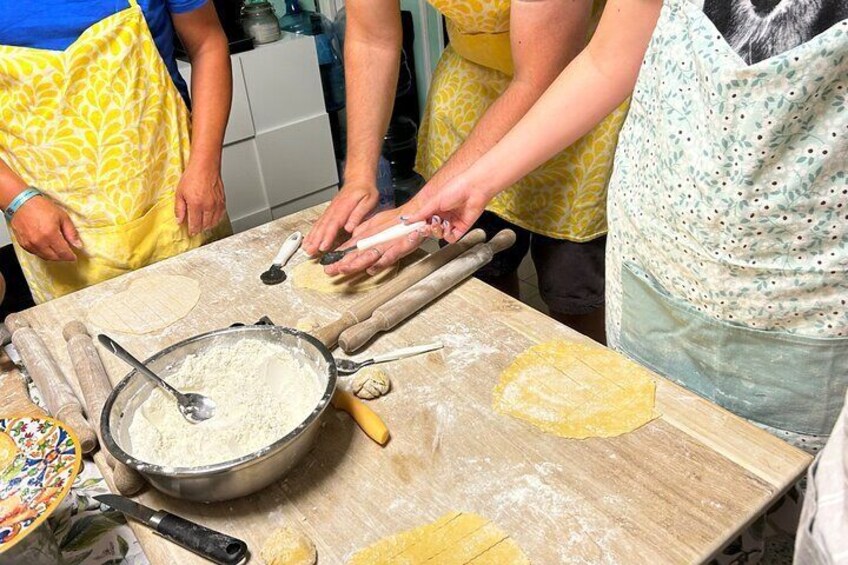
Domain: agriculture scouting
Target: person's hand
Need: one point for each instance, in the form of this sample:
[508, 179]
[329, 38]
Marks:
[44, 229]
[200, 199]
[353, 202]
[387, 254]
[454, 207]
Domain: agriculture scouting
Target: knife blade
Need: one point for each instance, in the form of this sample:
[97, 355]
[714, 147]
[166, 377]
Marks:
[205, 542]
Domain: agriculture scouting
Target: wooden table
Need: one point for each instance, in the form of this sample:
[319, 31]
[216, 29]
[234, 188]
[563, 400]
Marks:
[674, 491]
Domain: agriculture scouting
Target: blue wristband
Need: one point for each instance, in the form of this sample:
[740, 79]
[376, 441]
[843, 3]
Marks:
[20, 200]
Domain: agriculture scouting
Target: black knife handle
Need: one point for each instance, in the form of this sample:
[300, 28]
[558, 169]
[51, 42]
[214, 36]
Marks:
[214, 546]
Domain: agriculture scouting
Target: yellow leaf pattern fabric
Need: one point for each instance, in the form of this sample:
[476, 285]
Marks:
[101, 129]
[565, 198]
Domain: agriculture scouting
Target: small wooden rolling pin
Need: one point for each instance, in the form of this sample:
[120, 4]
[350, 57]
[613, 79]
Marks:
[424, 292]
[329, 334]
[51, 382]
[96, 386]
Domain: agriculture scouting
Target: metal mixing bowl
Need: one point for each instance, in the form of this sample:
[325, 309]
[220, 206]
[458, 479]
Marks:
[230, 479]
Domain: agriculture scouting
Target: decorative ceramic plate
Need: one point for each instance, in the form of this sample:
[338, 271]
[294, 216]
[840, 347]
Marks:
[39, 459]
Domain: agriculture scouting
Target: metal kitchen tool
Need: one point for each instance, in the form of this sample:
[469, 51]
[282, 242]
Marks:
[194, 407]
[275, 274]
[393, 232]
[237, 477]
[209, 544]
[349, 366]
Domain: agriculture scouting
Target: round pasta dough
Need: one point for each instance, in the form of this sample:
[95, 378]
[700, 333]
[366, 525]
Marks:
[310, 275]
[150, 303]
[287, 546]
[576, 391]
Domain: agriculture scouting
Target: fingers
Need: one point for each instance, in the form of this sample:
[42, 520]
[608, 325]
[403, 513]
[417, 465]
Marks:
[355, 262]
[180, 208]
[380, 257]
[397, 251]
[69, 231]
[358, 214]
[195, 219]
[322, 236]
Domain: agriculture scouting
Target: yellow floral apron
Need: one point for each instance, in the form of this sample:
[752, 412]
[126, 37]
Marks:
[566, 197]
[101, 129]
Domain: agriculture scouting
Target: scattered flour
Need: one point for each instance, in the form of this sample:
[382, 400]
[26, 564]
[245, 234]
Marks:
[255, 405]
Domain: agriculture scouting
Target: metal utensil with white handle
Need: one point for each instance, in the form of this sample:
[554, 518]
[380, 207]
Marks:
[349, 366]
[194, 407]
[275, 273]
[393, 232]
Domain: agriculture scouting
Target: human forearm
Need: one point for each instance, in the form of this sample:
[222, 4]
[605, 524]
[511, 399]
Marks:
[211, 84]
[211, 94]
[591, 87]
[372, 59]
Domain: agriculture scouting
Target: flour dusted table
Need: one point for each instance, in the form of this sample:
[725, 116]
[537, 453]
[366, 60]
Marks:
[675, 491]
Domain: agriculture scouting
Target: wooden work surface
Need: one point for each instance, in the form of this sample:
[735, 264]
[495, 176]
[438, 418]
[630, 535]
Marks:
[676, 490]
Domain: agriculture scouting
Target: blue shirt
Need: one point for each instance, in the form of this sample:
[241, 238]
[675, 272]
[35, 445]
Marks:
[56, 24]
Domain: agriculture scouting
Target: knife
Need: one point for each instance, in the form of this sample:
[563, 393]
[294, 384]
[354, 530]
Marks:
[214, 546]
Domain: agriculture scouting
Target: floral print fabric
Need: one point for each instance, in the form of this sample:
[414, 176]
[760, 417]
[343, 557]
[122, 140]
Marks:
[730, 187]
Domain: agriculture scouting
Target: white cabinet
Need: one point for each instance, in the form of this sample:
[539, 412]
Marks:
[283, 82]
[293, 160]
[247, 204]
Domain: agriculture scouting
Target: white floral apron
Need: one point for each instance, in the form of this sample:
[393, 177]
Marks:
[727, 265]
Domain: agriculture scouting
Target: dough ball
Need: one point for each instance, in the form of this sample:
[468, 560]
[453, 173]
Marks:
[287, 546]
[307, 324]
[371, 383]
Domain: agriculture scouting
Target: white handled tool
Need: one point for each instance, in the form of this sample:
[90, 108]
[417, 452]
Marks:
[349, 366]
[275, 274]
[393, 232]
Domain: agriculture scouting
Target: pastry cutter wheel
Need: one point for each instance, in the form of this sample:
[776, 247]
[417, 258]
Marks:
[393, 232]
[275, 274]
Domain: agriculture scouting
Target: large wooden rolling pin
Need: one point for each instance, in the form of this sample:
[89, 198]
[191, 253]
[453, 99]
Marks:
[48, 377]
[424, 292]
[96, 386]
[329, 334]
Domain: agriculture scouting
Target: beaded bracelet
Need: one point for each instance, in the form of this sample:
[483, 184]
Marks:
[20, 200]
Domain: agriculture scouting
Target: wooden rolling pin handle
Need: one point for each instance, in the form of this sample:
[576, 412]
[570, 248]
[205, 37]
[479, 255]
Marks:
[357, 336]
[424, 292]
[364, 417]
[96, 387]
[71, 414]
[329, 334]
[48, 377]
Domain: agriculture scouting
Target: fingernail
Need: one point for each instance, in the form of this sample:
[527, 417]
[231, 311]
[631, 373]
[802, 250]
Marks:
[435, 220]
[445, 224]
[372, 271]
[404, 219]
[414, 235]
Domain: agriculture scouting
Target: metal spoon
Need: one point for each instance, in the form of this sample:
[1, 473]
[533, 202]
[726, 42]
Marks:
[349, 366]
[194, 407]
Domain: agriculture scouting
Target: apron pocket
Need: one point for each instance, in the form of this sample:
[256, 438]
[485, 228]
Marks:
[786, 381]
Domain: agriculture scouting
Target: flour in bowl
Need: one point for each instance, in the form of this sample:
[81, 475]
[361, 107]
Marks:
[261, 391]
